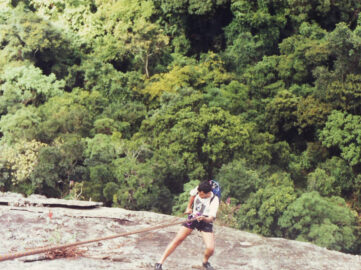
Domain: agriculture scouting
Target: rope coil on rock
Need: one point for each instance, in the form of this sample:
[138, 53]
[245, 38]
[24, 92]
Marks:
[16, 255]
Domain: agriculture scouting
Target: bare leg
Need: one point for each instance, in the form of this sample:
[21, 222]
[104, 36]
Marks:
[181, 235]
[208, 238]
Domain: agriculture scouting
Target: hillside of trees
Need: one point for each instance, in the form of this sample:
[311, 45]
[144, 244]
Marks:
[133, 102]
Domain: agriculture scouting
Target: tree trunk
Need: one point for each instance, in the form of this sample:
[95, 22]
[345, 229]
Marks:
[146, 65]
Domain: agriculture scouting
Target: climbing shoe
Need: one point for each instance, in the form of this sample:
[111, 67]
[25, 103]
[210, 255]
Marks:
[158, 266]
[207, 266]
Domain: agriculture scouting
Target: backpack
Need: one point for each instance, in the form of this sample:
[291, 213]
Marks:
[216, 189]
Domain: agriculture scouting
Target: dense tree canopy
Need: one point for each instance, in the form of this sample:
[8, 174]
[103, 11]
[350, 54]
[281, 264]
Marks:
[134, 102]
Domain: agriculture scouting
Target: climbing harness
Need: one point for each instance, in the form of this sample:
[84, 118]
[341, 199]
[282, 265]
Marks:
[16, 255]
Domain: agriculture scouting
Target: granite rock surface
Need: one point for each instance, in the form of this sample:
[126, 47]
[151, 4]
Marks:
[26, 227]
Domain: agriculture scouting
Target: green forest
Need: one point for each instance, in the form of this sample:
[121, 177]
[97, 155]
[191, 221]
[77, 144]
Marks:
[133, 102]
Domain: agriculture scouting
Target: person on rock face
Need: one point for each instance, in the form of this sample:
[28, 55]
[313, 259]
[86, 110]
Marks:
[205, 207]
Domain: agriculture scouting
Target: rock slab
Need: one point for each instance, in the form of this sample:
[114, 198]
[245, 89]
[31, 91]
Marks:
[26, 227]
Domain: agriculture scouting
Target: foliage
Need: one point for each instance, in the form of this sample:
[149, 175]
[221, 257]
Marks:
[194, 27]
[46, 176]
[205, 138]
[123, 31]
[315, 153]
[300, 54]
[323, 183]
[181, 201]
[69, 113]
[226, 214]
[345, 45]
[338, 82]
[262, 77]
[261, 212]
[342, 130]
[96, 187]
[21, 159]
[326, 222]
[355, 203]
[237, 181]
[26, 85]
[311, 115]
[326, 13]
[190, 6]
[232, 97]
[339, 169]
[25, 36]
[243, 52]
[305, 163]
[130, 102]
[209, 72]
[138, 189]
[260, 24]
[345, 95]
[22, 125]
[44, 169]
[101, 149]
[124, 118]
[281, 112]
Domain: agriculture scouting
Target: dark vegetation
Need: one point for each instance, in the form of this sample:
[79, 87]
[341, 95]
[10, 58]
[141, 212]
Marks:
[131, 102]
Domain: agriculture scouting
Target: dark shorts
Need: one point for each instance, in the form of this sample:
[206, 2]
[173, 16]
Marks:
[200, 226]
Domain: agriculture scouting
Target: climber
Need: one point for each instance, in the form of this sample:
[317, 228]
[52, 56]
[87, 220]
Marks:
[205, 207]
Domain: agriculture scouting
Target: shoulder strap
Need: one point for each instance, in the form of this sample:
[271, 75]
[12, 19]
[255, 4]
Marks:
[214, 195]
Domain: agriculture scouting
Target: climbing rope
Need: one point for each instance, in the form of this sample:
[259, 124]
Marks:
[16, 255]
